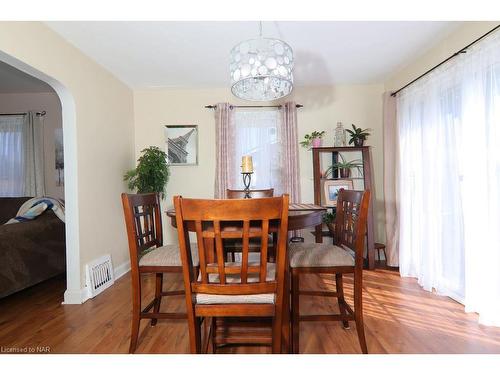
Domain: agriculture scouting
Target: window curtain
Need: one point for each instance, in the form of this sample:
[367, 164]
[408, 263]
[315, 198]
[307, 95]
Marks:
[224, 138]
[21, 156]
[256, 135]
[11, 156]
[449, 181]
[289, 151]
[391, 163]
[269, 136]
[34, 177]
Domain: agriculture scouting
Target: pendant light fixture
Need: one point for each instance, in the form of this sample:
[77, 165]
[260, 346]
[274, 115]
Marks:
[261, 69]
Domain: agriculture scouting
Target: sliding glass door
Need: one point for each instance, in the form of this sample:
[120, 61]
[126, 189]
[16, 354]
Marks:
[449, 180]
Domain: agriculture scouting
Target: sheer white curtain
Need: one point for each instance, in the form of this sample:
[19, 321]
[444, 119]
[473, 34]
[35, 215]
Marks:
[11, 156]
[33, 149]
[449, 182]
[256, 134]
[21, 156]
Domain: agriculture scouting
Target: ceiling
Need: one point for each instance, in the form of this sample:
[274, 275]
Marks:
[196, 54]
[13, 80]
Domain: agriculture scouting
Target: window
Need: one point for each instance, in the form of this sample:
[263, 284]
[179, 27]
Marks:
[257, 135]
[449, 180]
[11, 156]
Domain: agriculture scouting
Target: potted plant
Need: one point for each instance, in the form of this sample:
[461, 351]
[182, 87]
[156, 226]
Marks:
[313, 139]
[329, 220]
[344, 167]
[151, 174]
[358, 135]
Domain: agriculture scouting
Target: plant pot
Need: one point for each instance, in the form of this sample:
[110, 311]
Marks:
[331, 228]
[344, 172]
[358, 142]
[317, 142]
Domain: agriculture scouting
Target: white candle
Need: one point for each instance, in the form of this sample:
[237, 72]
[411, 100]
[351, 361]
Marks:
[246, 164]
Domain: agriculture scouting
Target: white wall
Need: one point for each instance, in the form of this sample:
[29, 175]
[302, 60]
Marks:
[454, 42]
[40, 101]
[98, 136]
[323, 107]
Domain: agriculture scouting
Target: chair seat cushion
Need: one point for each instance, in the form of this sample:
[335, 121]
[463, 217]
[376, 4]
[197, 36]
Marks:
[214, 299]
[319, 255]
[167, 256]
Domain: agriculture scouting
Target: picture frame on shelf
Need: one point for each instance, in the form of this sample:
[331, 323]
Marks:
[181, 144]
[331, 190]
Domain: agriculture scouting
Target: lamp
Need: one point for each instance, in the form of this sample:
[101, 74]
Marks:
[246, 171]
[261, 69]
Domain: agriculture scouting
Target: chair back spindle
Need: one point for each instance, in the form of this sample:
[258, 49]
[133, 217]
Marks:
[350, 220]
[143, 221]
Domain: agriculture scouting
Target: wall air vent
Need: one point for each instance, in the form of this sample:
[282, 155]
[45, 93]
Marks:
[99, 275]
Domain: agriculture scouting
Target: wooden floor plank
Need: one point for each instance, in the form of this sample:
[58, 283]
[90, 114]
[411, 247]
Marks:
[400, 317]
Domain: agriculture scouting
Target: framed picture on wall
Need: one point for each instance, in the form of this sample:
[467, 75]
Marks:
[181, 143]
[331, 190]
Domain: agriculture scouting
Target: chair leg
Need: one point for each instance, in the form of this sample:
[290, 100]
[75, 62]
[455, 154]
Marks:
[295, 311]
[136, 311]
[286, 331]
[194, 331]
[277, 326]
[358, 310]
[197, 327]
[340, 291]
[158, 290]
[213, 330]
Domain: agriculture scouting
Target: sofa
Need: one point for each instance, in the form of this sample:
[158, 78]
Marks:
[30, 252]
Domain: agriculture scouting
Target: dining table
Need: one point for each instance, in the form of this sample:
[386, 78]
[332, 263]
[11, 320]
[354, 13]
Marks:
[300, 216]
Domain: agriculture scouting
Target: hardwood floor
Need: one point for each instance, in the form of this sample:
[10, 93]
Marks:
[399, 318]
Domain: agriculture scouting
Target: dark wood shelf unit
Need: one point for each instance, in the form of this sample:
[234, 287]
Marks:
[367, 179]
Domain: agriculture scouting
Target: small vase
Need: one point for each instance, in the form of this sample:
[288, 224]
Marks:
[316, 142]
[340, 136]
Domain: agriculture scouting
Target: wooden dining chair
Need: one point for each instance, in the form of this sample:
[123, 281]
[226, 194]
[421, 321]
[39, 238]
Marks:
[257, 193]
[149, 255]
[233, 246]
[344, 256]
[233, 289]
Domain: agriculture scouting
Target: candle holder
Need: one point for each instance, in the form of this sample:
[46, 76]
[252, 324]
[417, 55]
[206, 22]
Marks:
[247, 178]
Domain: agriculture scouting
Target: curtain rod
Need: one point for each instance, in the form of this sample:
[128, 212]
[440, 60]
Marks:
[253, 106]
[463, 50]
[43, 113]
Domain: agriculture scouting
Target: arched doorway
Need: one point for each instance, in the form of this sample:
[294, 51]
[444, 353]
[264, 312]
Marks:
[74, 293]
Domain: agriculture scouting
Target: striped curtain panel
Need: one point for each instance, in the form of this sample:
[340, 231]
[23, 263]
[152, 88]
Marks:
[224, 148]
[290, 151]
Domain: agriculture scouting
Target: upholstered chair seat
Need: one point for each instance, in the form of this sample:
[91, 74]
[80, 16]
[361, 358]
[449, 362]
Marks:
[319, 255]
[168, 256]
[210, 299]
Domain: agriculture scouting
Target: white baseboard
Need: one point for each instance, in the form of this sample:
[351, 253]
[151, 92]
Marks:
[79, 296]
[122, 269]
[75, 297]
